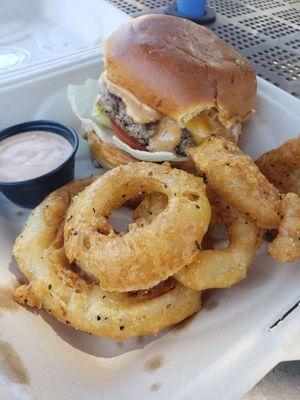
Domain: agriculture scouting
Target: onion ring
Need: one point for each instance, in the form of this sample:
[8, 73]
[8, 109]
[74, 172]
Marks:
[212, 268]
[107, 154]
[147, 255]
[286, 246]
[281, 166]
[226, 267]
[79, 302]
[235, 178]
[150, 206]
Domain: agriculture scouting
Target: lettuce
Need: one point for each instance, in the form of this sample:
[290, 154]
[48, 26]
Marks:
[99, 116]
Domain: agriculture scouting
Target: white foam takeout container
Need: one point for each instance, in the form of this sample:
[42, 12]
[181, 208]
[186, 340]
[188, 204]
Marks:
[220, 354]
[41, 30]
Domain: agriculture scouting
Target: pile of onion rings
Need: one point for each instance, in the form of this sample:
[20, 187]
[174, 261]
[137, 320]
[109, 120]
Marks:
[125, 284]
[234, 177]
[78, 300]
[237, 179]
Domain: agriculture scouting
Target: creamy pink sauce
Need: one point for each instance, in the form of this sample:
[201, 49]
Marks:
[31, 154]
[167, 135]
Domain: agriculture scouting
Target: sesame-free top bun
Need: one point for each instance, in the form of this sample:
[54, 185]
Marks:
[180, 68]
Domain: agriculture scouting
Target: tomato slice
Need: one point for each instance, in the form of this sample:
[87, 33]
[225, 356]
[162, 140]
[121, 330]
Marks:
[126, 138]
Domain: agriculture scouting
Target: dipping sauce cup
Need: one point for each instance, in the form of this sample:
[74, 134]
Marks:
[30, 192]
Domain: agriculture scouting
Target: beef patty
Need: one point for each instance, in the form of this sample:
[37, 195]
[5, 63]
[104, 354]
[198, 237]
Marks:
[115, 109]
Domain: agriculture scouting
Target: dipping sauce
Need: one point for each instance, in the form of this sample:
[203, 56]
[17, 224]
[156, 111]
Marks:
[31, 154]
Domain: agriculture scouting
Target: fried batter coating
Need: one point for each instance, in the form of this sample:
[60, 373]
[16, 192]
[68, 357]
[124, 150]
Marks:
[286, 246]
[224, 268]
[235, 178]
[144, 256]
[281, 166]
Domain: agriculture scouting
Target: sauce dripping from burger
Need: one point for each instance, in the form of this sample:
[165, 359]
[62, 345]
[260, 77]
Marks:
[167, 136]
[140, 113]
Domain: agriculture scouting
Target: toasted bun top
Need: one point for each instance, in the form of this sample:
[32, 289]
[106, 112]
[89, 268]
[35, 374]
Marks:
[180, 68]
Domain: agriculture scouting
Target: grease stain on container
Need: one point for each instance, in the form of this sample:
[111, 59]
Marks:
[154, 363]
[20, 213]
[209, 302]
[12, 365]
[211, 305]
[181, 326]
[7, 302]
[140, 339]
[155, 387]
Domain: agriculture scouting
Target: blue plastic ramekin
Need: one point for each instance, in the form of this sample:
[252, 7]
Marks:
[31, 192]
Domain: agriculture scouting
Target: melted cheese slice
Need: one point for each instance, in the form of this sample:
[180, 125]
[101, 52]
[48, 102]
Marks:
[200, 127]
[207, 123]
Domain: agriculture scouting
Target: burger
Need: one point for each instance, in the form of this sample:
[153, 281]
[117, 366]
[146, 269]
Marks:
[167, 84]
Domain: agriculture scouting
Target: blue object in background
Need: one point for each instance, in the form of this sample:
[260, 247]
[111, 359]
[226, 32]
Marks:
[195, 10]
[191, 8]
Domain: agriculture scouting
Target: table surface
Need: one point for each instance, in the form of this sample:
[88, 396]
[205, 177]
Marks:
[282, 383]
[267, 32]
